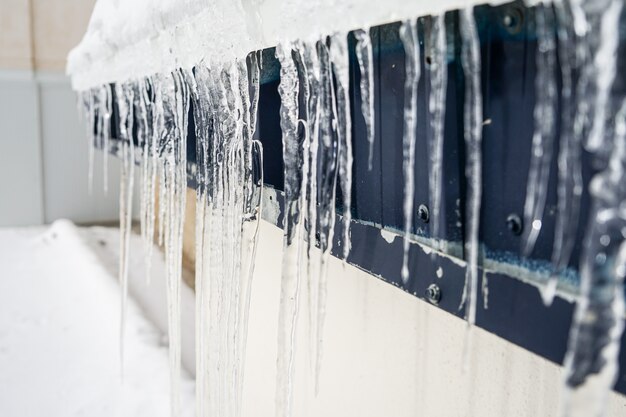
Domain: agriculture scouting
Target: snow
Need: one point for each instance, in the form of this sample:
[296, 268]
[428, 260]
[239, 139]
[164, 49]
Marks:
[59, 330]
[132, 39]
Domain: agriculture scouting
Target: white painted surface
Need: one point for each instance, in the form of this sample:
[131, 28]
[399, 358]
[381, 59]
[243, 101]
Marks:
[388, 354]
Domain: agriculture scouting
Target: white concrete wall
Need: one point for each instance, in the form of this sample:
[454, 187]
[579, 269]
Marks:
[387, 353]
[43, 147]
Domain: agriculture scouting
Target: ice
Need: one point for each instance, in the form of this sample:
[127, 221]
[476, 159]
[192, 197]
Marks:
[290, 284]
[365, 58]
[227, 221]
[148, 140]
[591, 361]
[545, 127]
[410, 42]
[340, 61]
[472, 122]
[569, 188]
[159, 121]
[438, 76]
[315, 116]
[125, 104]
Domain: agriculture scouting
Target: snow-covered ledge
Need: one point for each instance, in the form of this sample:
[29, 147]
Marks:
[131, 39]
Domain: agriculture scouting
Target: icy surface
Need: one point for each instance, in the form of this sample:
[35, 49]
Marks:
[71, 360]
[131, 40]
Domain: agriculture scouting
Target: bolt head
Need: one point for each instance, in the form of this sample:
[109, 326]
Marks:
[433, 294]
[514, 224]
[423, 213]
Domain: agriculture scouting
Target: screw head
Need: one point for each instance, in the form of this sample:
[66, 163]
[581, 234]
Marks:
[423, 213]
[433, 294]
[513, 19]
[514, 224]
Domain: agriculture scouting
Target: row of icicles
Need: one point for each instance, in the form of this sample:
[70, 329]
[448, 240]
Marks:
[316, 134]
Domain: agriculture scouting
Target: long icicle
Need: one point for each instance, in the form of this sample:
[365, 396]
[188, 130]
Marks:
[438, 72]
[545, 127]
[410, 41]
[290, 283]
[593, 348]
[570, 185]
[472, 122]
[365, 57]
[340, 62]
[327, 188]
[591, 362]
[125, 98]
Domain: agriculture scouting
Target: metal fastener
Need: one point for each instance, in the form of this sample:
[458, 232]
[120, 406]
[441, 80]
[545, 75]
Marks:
[433, 294]
[514, 224]
[423, 213]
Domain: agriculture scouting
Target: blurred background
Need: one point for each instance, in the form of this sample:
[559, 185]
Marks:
[44, 151]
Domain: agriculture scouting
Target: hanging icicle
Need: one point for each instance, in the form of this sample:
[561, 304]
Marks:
[545, 127]
[290, 282]
[125, 105]
[594, 343]
[365, 58]
[410, 41]
[570, 183]
[340, 61]
[472, 125]
[227, 222]
[438, 76]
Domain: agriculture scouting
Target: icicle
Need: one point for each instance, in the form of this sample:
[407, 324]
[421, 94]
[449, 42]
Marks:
[290, 286]
[365, 58]
[472, 122]
[591, 361]
[410, 41]
[125, 97]
[325, 144]
[146, 139]
[106, 111]
[569, 188]
[87, 113]
[545, 127]
[340, 63]
[310, 90]
[227, 211]
[606, 13]
[438, 72]
[171, 106]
